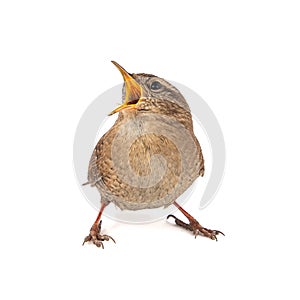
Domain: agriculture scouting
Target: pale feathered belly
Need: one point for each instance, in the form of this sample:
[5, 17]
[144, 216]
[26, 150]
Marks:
[147, 164]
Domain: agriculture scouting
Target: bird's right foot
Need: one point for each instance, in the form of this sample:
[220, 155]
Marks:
[96, 237]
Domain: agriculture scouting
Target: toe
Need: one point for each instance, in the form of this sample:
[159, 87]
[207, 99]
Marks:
[99, 244]
[220, 232]
[87, 239]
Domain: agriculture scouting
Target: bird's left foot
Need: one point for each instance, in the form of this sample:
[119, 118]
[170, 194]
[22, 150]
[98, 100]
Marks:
[96, 237]
[196, 228]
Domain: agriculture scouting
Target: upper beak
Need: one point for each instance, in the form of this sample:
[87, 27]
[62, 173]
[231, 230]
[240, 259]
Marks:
[133, 90]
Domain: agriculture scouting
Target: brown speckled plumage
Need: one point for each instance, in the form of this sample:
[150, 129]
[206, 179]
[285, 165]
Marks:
[150, 156]
[151, 115]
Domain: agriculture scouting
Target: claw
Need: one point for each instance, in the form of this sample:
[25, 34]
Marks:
[106, 238]
[86, 239]
[98, 244]
[96, 237]
[111, 239]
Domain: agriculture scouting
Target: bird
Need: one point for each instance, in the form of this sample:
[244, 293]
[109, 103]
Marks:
[150, 156]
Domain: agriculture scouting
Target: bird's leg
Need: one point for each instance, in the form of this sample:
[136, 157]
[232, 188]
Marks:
[95, 235]
[194, 225]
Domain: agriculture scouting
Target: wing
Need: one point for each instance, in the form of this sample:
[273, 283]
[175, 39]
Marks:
[94, 171]
[201, 159]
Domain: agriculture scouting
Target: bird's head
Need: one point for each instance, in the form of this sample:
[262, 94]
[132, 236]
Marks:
[144, 92]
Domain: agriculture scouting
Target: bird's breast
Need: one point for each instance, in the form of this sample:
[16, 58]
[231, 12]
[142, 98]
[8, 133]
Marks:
[152, 160]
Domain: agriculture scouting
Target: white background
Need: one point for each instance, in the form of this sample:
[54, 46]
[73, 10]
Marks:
[242, 57]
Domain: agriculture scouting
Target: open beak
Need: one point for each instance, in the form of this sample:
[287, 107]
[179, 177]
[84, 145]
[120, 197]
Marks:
[133, 90]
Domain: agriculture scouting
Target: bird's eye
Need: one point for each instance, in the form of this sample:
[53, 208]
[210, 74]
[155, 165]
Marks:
[155, 85]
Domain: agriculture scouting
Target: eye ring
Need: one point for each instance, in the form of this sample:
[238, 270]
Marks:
[155, 86]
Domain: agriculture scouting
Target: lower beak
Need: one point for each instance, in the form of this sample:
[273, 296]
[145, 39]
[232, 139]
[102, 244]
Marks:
[133, 90]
